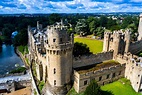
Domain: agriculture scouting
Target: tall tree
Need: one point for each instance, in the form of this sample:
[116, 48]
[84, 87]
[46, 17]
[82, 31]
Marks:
[93, 24]
[81, 27]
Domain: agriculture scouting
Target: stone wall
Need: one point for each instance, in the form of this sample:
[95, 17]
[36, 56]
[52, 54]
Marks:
[101, 76]
[136, 47]
[133, 70]
[92, 59]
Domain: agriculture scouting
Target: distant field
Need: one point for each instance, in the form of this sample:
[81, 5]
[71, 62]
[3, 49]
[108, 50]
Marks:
[120, 87]
[95, 46]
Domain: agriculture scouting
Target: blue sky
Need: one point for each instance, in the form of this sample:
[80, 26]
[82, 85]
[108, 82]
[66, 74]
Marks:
[69, 6]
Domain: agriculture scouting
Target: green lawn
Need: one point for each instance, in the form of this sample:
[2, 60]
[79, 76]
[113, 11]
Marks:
[95, 46]
[120, 87]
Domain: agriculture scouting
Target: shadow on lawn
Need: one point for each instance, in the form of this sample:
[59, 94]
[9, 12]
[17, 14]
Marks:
[106, 93]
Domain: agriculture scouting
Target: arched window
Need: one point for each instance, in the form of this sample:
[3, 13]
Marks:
[54, 82]
[54, 71]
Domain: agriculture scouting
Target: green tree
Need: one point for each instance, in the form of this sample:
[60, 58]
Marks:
[103, 21]
[93, 24]
[81, 27]
[0, 42]
[99, 32]
[54, 18]
[21, 38]
[80, 49]
[93, 89]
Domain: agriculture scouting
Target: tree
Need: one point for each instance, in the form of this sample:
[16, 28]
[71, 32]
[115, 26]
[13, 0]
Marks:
[93, 89]
[81, 27]
[0, 42]
[93, 24]
[80, 49]
[21, 38]
[103, 21]
[99, 32]
[54, 18]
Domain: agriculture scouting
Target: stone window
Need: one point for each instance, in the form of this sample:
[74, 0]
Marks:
[137, 82]
[85, 82]
[54, 40]
[107, 76]
[119, 72]
[100, 78]
[138, 75]
[61, 40]
[113, 75]
[54, 71]
[54, 82]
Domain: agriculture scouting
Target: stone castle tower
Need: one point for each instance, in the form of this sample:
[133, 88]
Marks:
[118, 41]
[140, 28]
[59, 48]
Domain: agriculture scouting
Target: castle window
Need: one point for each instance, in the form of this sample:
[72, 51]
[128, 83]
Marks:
[107, 76]
[120, 73]
[54, 71]
[138, 75]
[54, 82]
[85, 82]
[61, 40]
[137, 82]
[113, 75]
[54, 40]
[100, 78]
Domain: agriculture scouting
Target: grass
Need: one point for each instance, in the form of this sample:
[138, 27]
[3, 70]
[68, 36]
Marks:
[23, 49]
[73, 92]
[40, 86]
[120, 87]
[95, 46]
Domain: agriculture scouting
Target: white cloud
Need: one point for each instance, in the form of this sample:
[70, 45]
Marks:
[84, 6]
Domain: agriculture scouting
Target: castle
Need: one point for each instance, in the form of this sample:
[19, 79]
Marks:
[50, 50]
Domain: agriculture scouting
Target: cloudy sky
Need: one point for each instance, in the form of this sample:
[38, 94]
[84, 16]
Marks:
[69, 6]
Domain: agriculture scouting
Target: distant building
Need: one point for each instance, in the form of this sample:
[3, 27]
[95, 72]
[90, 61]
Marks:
[14, 34]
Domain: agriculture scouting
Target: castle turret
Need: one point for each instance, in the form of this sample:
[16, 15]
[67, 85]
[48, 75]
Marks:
[59, 58]
[140, 28]
[127, 40]
[106, 41]
[116, 42]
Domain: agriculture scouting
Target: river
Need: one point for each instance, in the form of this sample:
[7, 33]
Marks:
[8, 59]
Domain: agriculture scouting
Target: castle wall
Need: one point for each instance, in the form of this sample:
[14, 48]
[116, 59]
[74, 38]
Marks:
[133, 70]
[101, 76]
[136, 47]
[92, 59]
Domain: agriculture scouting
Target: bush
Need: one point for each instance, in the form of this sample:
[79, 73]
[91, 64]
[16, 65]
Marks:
[80, 49]
[93, 89]
[18, 70]
[41, 85]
